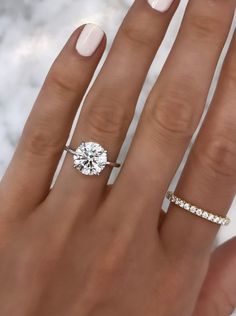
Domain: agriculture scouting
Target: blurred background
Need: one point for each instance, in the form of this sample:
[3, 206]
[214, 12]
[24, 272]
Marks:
[32, 32]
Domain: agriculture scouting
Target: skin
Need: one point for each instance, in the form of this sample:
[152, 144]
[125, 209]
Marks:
[81, 248]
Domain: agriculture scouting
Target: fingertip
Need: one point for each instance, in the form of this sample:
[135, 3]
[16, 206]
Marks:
[88, 41]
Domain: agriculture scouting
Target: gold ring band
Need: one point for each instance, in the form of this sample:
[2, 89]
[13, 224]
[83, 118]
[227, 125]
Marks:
[216, 219]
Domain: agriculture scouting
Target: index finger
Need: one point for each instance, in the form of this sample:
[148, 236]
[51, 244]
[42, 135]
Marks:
[48, 126]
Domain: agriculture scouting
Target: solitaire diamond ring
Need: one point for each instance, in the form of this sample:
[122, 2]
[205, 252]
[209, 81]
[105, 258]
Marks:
[90, 158]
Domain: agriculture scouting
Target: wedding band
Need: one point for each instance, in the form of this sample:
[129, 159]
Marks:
[90, 158]
[197, 211]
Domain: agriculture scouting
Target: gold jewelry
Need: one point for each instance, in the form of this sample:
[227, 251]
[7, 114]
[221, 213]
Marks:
[216, 219]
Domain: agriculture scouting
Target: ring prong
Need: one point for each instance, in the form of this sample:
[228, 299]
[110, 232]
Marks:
[84, 155]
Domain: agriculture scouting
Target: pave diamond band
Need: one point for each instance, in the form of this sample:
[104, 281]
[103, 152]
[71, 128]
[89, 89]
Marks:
[216, 219]
[90, 158]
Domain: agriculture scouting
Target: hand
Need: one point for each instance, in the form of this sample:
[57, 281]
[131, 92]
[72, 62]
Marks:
[83, 248]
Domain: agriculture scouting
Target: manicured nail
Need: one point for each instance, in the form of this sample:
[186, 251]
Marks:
[89, 40]
[160, 5]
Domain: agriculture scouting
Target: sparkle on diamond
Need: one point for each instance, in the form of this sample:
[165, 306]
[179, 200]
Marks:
[90, 158]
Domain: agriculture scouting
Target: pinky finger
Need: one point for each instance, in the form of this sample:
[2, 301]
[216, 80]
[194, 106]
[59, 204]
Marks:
[47, 129]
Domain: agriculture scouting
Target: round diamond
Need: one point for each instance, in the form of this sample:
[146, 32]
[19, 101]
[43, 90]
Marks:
[211, 217]
[224, 221]
[187, 206]
[205, 214]
[193, 209]
[220, 221]
[90, 158]
[216, 219]
[199, 212]
[177, 201]
[181, 203]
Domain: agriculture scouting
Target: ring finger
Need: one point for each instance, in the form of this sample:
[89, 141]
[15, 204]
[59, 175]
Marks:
[209, 178]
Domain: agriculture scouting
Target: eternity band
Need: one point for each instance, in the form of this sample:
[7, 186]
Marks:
[216, 219]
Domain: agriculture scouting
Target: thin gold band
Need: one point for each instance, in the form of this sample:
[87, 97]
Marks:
[216, 219]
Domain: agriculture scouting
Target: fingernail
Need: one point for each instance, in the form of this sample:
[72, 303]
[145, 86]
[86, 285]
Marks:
[89, 40]
[160, 5]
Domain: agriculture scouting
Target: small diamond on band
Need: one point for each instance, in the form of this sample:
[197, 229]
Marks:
[216, 219]
[193, 209]
[187, 206]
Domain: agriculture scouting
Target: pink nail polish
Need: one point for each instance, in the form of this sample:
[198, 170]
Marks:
[89, 40]
[160, 5]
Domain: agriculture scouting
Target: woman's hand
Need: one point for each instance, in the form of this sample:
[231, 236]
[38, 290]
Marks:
[83, 249]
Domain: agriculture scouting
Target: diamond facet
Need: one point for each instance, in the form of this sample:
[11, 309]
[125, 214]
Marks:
[90, 158]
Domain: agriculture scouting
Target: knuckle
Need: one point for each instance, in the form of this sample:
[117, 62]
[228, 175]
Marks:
[62, 81]
[38, 140]
[172, 116]
[137, 36]
[219, 157]
[104, 273]
[205, 27]
[108, 119]
[111, 265]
